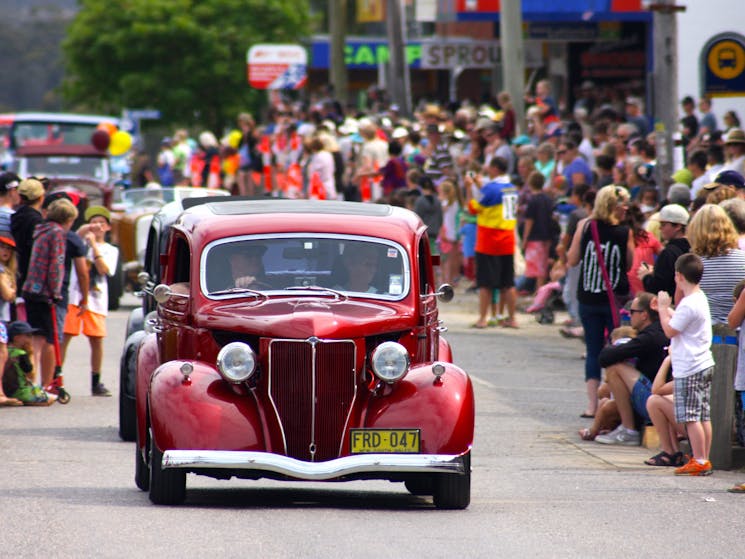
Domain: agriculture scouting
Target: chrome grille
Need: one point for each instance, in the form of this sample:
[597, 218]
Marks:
[311, 384]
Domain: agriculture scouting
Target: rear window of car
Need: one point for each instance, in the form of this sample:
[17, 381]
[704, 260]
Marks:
[357, 266]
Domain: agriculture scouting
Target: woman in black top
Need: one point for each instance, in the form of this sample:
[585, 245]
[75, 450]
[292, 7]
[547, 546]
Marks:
[617, 246]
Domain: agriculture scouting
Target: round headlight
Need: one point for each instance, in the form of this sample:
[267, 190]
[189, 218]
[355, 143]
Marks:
[236, 362]
[390, 361]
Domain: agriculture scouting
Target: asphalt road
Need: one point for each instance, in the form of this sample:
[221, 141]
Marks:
[67, 489]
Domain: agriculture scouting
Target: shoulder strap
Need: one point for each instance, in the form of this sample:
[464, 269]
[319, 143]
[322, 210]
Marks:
[604, 271]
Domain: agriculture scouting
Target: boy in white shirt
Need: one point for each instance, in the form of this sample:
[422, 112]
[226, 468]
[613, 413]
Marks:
[102, 258]
[689, 330]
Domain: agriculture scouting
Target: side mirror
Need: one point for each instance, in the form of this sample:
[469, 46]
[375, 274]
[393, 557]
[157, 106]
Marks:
[445, 293]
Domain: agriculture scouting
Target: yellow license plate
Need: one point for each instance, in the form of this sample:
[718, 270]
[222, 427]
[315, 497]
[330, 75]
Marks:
[385, 441]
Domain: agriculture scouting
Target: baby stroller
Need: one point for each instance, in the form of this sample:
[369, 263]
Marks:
[547, 300]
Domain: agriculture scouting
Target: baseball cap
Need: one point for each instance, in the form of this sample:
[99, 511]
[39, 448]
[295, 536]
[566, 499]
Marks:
[731, 178]
[673, 213]
[8, 181]
[31, 189]
[20, 327]
[399, 132]
[94, 211]
[679, 193]
[684, 176]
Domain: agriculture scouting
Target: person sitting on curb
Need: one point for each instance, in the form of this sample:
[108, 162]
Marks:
[19, 369]
[662, 414]
[630, 384]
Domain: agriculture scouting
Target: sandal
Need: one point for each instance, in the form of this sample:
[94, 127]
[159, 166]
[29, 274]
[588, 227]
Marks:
[661, 459]
[586, 435]
[737, 489]
[679, 459]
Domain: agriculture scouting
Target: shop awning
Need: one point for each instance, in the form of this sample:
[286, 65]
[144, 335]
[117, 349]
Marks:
[564, 10]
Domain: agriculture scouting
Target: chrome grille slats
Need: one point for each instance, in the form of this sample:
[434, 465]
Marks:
[312, 387]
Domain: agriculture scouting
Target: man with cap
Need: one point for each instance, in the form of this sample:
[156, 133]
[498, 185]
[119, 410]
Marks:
[673, 221]
[101, 259]
[24, 221]
[9, 198]
[734, 146]
[635, 116]
[734, 179]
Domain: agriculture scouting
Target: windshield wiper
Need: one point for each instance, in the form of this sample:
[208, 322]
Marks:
[241, 290]
[338, 295]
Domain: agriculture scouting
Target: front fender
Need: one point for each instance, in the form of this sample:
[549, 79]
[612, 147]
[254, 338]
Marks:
[444, 350]
[148, 358]
[135, 321]
[443, 409]
[202, 412]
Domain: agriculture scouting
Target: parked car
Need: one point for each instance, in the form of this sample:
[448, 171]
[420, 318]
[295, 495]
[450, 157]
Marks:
[299, 340]
[132, 213]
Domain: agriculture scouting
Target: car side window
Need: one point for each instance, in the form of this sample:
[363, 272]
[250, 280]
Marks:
[181, 261]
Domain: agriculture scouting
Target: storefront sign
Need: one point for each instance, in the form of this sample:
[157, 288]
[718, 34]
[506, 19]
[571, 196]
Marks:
[362, 55]
[723, 63]
[465, 54]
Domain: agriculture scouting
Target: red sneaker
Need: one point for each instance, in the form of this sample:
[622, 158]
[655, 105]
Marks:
[693, 468]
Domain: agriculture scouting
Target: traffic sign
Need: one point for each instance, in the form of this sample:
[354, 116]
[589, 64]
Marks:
[277, 66]
[723, 63]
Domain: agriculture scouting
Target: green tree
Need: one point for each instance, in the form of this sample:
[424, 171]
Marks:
[186, 58]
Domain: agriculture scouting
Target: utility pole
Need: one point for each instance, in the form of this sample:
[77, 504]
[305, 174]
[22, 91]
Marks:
[337, 14]
[665, 87]
[399, 82]
[513, 56]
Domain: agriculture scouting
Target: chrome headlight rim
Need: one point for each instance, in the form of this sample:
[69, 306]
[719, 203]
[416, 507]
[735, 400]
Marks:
[390, 362]
[236, 362]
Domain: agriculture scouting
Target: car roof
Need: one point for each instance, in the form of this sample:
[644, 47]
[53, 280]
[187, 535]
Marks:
[227, 218]
[58, 117]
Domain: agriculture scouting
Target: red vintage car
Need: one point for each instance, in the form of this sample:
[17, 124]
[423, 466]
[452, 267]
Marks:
[300, 340]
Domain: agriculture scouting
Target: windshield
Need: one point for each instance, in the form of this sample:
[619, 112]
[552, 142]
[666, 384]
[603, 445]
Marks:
[141, 197]
[66, 166]
[352, 265]
[52, 133]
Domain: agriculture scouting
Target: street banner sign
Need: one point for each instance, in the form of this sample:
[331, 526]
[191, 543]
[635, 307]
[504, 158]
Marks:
[277, 66]
[723, 66]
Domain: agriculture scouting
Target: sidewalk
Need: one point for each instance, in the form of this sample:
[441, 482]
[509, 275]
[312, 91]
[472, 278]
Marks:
[458, 316]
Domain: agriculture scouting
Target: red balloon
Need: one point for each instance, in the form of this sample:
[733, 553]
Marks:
[101, 140]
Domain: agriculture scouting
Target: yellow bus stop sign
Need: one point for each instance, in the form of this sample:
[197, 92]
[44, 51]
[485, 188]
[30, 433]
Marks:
[724, 61]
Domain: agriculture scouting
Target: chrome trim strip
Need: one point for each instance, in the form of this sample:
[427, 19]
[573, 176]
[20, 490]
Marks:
[313, 471]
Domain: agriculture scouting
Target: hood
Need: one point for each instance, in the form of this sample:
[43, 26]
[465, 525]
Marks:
[44, 227]
[301, 318]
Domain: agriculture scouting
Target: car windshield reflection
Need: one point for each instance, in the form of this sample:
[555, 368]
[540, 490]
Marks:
[353, 266]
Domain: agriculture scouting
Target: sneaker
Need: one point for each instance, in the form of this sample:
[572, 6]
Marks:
[100, 390]
[620, 436]
[693, 468]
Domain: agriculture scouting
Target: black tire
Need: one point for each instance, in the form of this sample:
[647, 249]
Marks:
[419, 485]
[127, 408]
[167, 487]
[142, 473]
[453, 491]
[116, 286]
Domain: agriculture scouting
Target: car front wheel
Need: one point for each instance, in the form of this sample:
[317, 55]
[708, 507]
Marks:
[167, 487]
[453, 491]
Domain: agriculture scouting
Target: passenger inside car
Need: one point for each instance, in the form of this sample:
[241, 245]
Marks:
[359, 264]
[247, 267]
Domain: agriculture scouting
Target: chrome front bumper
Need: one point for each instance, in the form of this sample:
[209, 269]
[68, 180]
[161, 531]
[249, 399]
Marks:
[313, 471]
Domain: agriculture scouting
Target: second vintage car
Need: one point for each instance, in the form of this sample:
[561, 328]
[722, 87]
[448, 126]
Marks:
[300, 340]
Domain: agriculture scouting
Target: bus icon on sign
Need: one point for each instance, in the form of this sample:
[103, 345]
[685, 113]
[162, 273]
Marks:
[727, 58]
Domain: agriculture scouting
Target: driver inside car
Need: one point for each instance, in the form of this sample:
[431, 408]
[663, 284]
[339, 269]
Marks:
[359, 266]
[247, 267]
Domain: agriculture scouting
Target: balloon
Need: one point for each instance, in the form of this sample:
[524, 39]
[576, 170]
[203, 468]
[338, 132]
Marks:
[109, 127]
[234, 139]
[120, 143]
[100, 140]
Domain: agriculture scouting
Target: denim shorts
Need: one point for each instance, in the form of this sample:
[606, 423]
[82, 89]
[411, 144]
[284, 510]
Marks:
[639, 395]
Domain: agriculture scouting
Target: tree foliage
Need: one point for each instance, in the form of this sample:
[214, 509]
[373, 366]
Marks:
[186, 58]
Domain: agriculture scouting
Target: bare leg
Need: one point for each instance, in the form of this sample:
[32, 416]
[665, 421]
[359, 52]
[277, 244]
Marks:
[592, 395]
[37, 343]
[484, 304]
[65, 342]
[96, 353]
[697, 438]
[47, 364]
[660, 411]
[707, 437]
[621, 378]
